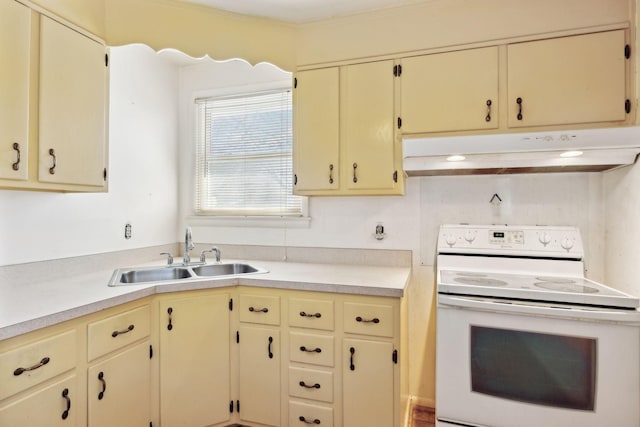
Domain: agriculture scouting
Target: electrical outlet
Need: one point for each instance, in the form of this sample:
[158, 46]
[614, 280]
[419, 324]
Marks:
[127, 231]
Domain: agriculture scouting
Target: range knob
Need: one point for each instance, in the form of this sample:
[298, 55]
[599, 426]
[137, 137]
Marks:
[544, 238]
[566, 243]
[470, 236]
[451, 240]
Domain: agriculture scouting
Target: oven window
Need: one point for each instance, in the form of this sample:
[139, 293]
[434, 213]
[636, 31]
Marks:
[544, 369]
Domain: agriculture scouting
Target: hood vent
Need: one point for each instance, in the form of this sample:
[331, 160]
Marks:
[588, 150]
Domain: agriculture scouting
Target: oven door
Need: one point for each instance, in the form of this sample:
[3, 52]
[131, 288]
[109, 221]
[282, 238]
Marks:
[509, 365]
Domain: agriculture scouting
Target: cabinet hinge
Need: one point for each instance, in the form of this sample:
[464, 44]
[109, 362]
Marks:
[237, 406]
[394, 357]
[399, 122]
[295, 82]
[106, 59]
[395, 176]
[237, 337]
[627, 51]
[104, 174]
[627, 106]
[231, 407]
[230, 304]
[150, 352]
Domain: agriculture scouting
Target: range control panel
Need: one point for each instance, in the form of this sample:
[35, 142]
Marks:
[507, 240]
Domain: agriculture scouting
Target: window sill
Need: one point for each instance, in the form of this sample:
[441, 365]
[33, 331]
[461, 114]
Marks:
[250, 221]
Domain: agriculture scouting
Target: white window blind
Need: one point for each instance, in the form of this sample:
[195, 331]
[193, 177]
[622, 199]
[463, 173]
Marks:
[244, 156]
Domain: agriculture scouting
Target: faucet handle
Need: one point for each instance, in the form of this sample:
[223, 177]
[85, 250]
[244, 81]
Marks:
[169, 257]
[214, 249]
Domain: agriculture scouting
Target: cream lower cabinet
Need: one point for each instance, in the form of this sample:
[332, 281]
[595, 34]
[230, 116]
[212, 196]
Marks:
[195, 371]
[119, 373]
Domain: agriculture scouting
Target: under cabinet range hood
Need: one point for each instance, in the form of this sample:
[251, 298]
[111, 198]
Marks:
[586, 150]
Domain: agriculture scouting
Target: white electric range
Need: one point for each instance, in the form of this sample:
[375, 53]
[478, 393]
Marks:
[524, 339]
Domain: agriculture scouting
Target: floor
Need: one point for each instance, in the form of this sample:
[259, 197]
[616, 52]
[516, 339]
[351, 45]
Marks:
[421, 416]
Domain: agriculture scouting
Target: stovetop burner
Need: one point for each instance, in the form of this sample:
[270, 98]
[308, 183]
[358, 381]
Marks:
[479, 281]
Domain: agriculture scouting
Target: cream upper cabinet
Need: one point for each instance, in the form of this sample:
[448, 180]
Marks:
[73, 70]
[453, 91]
[195, 373]
[568, 80]
[368, 127]
[15, 32]
[316, 130]
[346, 140]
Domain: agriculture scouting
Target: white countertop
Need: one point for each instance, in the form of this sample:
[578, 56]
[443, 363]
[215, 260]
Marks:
[27, 305]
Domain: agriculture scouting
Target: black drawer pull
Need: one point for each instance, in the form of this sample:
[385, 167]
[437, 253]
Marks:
[16, 166]
[43, 362]
[304, 420]
[104, 385]
[258, 310]
[170, 325]
[116, 333]
[351, 365]
[374, 320]
[316, 315]
[311, 350]
[488, 116]
[65, 396]
[519, 102]
[303, 384]
[269, 348]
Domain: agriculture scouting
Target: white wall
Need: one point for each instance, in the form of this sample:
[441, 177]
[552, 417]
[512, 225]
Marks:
[37, 226]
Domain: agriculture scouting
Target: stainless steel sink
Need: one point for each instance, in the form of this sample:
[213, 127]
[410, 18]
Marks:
[154, 275]
[223, 269]
[159, 275]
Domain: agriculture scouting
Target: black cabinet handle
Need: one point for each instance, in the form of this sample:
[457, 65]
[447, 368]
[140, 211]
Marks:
[488, 116]
[304, 314]
[355, 176]
[52, 169]
[374, 320]
[170, 325]
[104, 385]
[269, 348]
[65, 396]
[304, 420]
[40, 364]
[258, 310]
[116, 333]
[16, 165]
[351, 365]
[331, 173]
[303, 384]
[519, 102]
[311, 350]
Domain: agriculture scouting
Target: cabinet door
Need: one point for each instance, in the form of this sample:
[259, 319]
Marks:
[119, 389]
[52, 406]
[368, 395]
[259, 366]
[72, 106]
[194, 361]
[451, 91]
[579, 79]
[368, 125]
[15, 34]
[316, 130]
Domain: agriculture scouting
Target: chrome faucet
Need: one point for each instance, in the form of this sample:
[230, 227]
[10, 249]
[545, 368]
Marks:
[214, 250]
[188, 246]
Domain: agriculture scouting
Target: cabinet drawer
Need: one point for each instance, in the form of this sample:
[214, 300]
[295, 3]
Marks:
[45, 359]
[313, 314]
[261, 309]
[368, 319]
[309, 348]
[311, 384]
[118, 331]
[303, 414]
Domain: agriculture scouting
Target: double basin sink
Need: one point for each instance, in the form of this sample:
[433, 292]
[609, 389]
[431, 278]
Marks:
[146, 275]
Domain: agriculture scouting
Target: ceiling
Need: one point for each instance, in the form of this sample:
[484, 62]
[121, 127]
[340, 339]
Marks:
[301, 11]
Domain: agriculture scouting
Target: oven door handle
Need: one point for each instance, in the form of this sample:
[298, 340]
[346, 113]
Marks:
[631, 317]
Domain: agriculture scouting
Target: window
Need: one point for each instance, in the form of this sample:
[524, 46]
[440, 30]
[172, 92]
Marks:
[244, 156]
